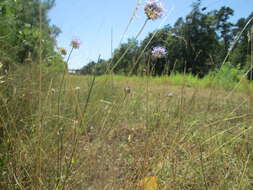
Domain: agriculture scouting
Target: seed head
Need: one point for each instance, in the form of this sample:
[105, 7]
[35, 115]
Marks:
[75, 43]
[153, 9]
[63, 51]
[127, 90]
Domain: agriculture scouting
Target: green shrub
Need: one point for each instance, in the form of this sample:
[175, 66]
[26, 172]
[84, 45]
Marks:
[226, 77]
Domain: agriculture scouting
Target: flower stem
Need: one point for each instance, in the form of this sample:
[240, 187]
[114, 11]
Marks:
[60, 139]
[126, 51]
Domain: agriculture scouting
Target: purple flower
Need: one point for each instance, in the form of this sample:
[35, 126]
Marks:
[75, 43]
[159, 52]
[153, 9]
[127, 90]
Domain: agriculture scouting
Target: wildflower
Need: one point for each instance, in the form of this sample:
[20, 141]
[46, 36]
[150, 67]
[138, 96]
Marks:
[159, 52]
[127, 90]
[153, 9]
[63, 51]
[75, 43]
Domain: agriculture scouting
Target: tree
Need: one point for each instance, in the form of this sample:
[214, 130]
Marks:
[240, 55]
[196, 44]
[23, 26]
[224, 26]
[128, 62]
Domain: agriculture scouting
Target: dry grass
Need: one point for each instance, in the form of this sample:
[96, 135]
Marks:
[188, 137]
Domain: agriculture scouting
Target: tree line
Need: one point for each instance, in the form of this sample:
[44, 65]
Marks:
[197, 44]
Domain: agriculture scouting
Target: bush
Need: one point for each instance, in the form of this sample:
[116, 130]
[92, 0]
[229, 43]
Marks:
[226, 77]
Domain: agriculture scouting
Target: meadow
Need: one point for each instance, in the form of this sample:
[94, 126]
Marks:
[173, 111]
[176, 132]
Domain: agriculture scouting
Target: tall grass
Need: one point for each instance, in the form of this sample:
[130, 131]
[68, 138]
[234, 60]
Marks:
[187, 139]
[80, 132]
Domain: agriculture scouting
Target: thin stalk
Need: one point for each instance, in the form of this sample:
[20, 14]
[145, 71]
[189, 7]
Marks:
[129, 47]
[236, 40]
[61, 132]
[89, 92]
[202, 165]
[147, 95]
[40, 96]
[130, 20]
[251, 62]
[70, 160]
[125, 31]
[143, 51]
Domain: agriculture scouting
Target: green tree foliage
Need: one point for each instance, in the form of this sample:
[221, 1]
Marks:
[93, 67]
[121, 64]
[191, 43]
[25, 30]
[224, 26]
[129, 60]
[241, 53]
[197, 44]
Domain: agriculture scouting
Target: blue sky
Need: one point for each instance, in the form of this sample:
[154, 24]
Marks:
[95, 21]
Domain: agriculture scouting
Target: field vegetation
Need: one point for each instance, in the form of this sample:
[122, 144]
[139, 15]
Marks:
[173, 111]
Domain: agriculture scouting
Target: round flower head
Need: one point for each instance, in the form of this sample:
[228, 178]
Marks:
[75, 43]
[153, 9]
[63, 51]
[127, 90]
[159, 52]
